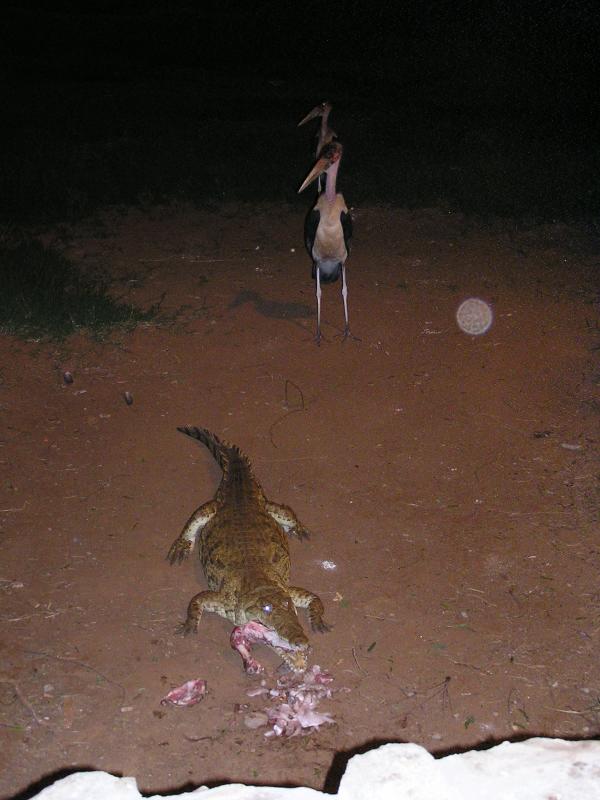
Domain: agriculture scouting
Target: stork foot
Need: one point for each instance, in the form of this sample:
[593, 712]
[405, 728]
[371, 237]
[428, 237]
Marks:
[348, 335]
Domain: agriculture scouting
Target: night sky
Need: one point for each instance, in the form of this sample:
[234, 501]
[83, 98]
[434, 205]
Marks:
[499, 53]
[412, 79]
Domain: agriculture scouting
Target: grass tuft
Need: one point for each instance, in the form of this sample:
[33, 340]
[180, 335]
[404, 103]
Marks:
[45, 296]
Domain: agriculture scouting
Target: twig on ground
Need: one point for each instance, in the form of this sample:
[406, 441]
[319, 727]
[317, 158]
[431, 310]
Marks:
[364, 672]
[565, 710]
[24, 701]
[300, 407]
[79, 664]
[10, 510]
[470, 666]
[594, 709]
[442, 691]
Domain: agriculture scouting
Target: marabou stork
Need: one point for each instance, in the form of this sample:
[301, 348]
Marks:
[328, 229]
[325, 134]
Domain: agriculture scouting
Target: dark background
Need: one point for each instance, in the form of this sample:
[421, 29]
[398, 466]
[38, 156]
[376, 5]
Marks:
[487, 108]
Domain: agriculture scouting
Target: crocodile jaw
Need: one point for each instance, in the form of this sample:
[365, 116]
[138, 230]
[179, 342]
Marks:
[292, 647]
[293, 650]
[296, 660]
[294, 655]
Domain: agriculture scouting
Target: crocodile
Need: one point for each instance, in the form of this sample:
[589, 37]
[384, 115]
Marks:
[245, 557]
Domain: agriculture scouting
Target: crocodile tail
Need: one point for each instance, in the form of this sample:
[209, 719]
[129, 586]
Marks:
[210, 440]
[221, 451]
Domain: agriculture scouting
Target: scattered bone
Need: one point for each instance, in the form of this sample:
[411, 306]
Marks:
[296, 718]
[256, 719]
[296, 712]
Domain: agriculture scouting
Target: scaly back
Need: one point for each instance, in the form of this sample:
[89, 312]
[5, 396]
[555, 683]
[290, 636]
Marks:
[238, 482]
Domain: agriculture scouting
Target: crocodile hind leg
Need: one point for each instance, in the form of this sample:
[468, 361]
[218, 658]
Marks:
[183, 545]
[201, 602]
[305, 599]
[286, 519]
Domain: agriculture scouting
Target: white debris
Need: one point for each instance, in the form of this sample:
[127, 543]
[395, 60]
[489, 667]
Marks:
[328, 564]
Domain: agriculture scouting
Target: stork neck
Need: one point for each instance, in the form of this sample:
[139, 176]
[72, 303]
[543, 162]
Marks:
[331, 180]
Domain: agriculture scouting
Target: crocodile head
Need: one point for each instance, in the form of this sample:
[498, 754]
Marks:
[274, 608]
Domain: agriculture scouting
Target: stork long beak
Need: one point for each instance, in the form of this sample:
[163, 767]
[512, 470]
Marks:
[331, 153]
[317, 111]
[319, 168]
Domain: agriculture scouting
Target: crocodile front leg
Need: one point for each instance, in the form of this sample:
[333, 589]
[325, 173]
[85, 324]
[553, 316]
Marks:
[201, 602]
[183, 545]
[305, 599]
[286, 519]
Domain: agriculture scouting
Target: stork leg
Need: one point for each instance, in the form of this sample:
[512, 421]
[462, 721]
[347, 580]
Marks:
[318, 337]
[345, 299]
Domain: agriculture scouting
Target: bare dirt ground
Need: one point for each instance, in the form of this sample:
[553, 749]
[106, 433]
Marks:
[450, 478]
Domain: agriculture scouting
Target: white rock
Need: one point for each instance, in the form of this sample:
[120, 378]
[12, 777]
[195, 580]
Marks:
[394, 772]
[537, 769]
[92, 786]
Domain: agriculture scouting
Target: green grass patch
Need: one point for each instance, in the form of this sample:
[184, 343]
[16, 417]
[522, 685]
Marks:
[45, 296]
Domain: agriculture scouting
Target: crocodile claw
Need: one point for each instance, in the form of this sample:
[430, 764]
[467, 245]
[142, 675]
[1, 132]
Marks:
[320, 626]
[187, 627]
[178, 551]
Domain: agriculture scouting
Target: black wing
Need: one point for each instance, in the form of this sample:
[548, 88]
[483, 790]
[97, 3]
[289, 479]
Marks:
[346, 221]
[311, 223]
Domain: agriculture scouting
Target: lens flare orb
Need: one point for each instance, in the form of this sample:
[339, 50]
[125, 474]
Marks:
[474, 316]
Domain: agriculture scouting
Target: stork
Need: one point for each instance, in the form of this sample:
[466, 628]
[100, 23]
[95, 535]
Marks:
[328, 230]
[325, 134]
